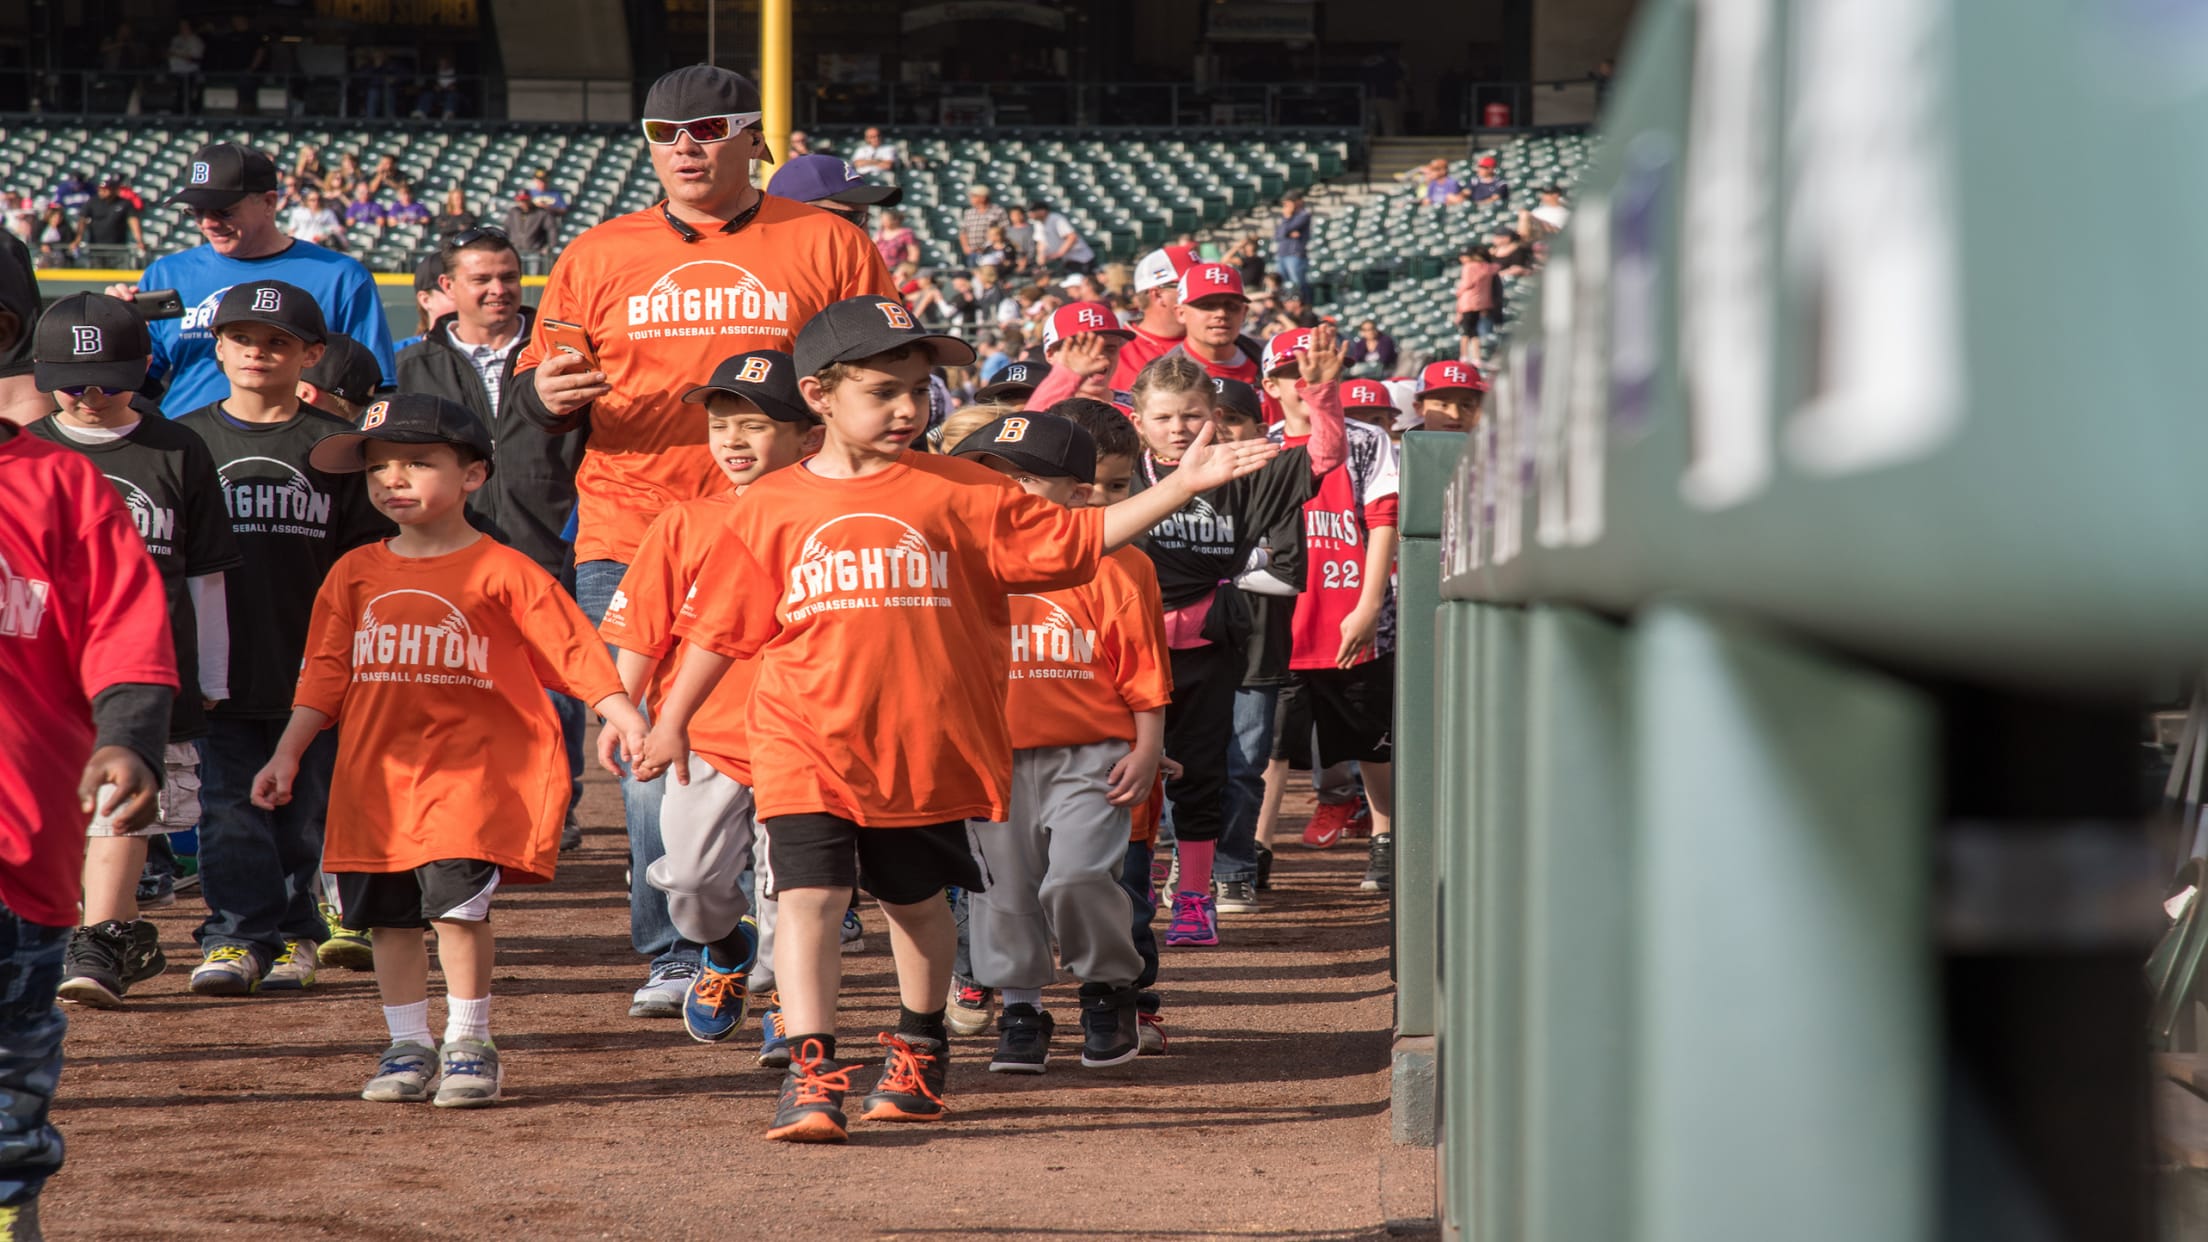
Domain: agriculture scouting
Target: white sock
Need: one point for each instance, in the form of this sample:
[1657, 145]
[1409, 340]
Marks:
[467, 1019]
[1022, 996]
[409, 1023]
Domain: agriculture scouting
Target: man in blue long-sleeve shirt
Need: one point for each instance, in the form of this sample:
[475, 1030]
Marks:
[1291, 242]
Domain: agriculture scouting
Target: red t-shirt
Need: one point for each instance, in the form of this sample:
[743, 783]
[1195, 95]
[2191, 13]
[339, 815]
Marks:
[82, 609]
[1246, 370]
[1353, 499]
[1139, 353]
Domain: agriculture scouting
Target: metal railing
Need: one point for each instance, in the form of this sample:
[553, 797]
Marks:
[1114, 104]
[1530, 105]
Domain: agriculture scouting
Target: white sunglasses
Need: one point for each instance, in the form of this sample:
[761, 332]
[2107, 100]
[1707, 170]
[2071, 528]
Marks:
[702, 130]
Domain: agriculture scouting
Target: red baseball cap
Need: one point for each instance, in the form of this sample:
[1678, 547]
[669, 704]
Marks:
[1075, 318]
[1444, 376]
[1211, 280]
[1365, 394]
[1283, 348]
[1487, 161]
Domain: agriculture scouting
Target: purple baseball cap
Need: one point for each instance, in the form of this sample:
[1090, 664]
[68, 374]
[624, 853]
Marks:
[830, 178]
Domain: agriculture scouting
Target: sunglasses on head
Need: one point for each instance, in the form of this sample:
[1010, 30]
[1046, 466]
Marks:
[468, 237]
[704, 129]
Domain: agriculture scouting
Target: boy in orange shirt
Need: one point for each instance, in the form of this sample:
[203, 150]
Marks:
[433, 649]
[871, 581]
[1086, 705]
[755, 424]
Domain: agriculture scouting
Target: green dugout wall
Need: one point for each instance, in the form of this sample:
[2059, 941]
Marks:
[1830, 515]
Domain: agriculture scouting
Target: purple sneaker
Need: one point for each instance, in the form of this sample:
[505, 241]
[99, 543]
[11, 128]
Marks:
[1195, 921]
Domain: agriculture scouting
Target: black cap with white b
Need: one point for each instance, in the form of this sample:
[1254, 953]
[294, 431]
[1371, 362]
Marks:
[1014, 382]
[867, 325]
[90, 340]
[224, 172]
[1237, 396]
[1050, 446]
[273, 303]
[403, 418]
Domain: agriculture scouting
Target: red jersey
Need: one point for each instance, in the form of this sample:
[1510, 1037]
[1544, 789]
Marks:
[1136, 354]
[655, 593]
[1246, 370]
[1353, 499]
[1087, 658]
[82, 610]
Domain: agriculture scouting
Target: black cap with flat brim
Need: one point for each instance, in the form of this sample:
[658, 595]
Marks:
[765, 377]
[1016, 380]
[403, 418]
[867, 325]
[90, 340]
[272, 303]
[1046, 445]
[346, 368]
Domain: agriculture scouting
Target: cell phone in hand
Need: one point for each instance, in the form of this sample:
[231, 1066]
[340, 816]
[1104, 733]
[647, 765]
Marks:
[571, 337]
[154, 304]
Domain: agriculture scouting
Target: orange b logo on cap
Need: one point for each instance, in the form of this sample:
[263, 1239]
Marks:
[372, 417]
[1013, 431]
[897, 316]
[754, 372]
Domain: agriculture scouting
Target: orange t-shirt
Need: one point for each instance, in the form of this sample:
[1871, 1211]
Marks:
[1086, 659]
[434, 669]
[653, 594]
[661, 313]
[877, 609]
[1146, 816]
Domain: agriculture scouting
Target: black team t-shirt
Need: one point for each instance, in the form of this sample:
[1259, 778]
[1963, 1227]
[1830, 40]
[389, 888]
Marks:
[1209, 538]
[292, 522]
[168, 482]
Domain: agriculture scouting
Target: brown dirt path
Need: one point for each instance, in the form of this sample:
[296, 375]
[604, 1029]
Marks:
[189, 1117]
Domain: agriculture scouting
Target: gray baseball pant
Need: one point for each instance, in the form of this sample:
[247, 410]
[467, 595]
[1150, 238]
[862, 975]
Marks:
[709, 830]
[1053, 871]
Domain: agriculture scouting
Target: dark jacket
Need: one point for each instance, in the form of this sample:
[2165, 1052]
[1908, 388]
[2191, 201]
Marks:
[531, 494]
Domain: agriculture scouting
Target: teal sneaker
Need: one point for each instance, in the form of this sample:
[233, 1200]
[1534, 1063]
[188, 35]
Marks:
[714, 1006]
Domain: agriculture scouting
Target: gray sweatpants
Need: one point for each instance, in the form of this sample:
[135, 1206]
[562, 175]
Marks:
[1054, 870]
[708, 828]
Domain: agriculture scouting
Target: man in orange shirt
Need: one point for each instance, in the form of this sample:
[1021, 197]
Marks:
[871, 581]
[434, 649]
[755, 424]
[717, 267]
[1086, 706]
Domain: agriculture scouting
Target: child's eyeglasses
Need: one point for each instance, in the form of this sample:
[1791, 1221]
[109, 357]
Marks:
[704, 129]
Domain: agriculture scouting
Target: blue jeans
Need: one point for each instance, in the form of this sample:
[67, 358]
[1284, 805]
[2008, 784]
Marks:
[574, 727]
[651, 928]
[260, 871]
[1295, 273]
[1236, 859]
[1134, 880]
[31, 1027]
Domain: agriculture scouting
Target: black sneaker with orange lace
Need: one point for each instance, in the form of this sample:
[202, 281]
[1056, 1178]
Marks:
[810, 1109]
[911, 1088]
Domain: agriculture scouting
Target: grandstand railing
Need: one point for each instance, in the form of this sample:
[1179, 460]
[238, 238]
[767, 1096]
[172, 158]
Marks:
[1549, 104]
[367, 96]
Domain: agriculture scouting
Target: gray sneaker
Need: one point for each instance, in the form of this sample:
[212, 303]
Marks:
[403, 1075]
[1237, 897]
[664, 990]
[471, 1074]
[294, 969]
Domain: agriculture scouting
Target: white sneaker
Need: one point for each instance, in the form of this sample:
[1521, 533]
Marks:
[469, 1074]
[294, 968]
[663, 991]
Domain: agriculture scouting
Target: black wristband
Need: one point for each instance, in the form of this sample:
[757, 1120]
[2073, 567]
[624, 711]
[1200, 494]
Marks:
[134, 716]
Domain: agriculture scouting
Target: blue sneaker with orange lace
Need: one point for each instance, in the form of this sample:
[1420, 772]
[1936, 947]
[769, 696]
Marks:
[714, 1006]
[774, 1034]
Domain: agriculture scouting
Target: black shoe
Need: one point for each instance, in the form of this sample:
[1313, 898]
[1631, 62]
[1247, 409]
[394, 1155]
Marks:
[810, 1108]
[1264, 868]
[571, 834]
[1109, 1026]
[1023, 1041]
[911, 1086]
[94, 965]
[145, 959]
[1380, 872]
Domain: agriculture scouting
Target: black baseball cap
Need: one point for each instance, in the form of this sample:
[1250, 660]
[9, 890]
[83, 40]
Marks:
[224, 172]
[1237, 396]
[764, 377]
[427, 272]
[275, 303]
[89, 339]
[1016, 380]
[867, 325]
[699, 90]
[1050, 446]
[402, 418]
[346, 369]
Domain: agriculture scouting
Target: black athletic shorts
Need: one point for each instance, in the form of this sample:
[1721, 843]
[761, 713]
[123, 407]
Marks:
[901, 866]
[1352, 709]
[450, 890]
